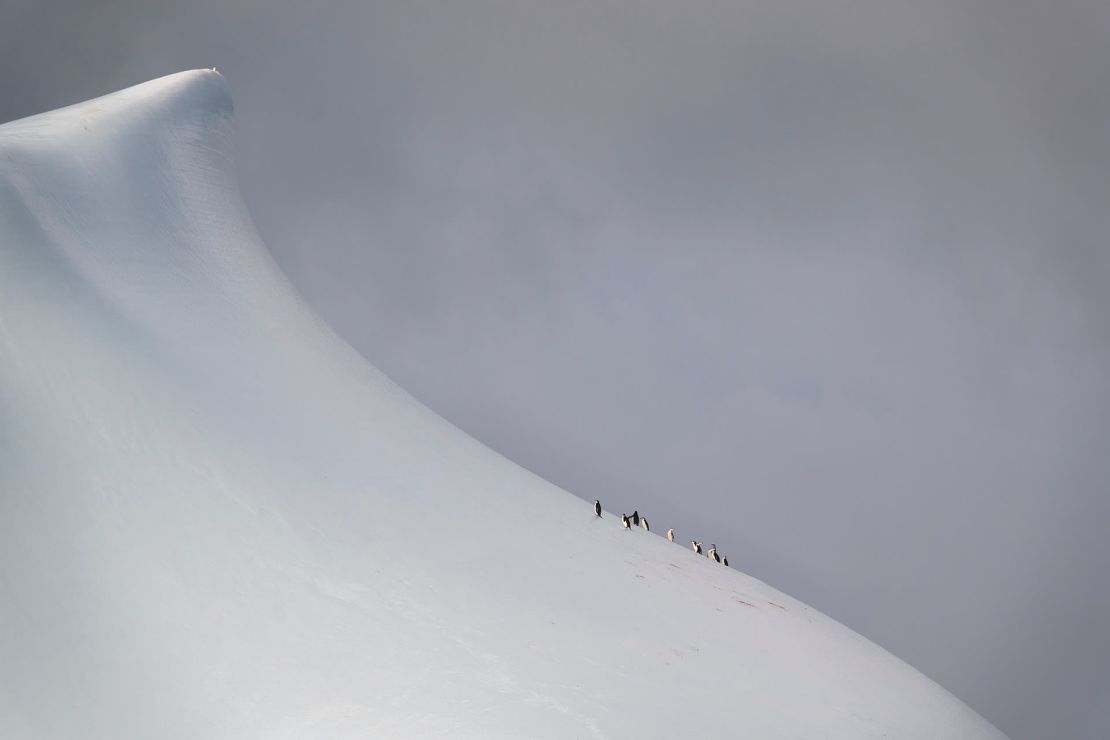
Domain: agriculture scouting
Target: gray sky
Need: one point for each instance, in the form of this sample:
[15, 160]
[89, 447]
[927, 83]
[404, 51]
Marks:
[828, 286]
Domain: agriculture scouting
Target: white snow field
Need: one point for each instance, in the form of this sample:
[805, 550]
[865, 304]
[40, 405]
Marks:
[218, 521]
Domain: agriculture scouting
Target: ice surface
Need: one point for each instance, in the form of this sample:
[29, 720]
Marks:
[218, 521]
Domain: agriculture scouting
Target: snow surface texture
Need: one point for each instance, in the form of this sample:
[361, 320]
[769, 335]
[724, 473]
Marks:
[218, 521]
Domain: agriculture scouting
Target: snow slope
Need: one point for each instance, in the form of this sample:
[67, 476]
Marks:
[218, 521]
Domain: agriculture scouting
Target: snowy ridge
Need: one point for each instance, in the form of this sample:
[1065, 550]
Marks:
[218, 521]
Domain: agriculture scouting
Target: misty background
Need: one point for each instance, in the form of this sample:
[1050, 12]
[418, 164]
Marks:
[827, 285]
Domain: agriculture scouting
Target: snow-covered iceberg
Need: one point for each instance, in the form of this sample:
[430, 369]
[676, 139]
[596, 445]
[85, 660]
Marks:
[219, 521]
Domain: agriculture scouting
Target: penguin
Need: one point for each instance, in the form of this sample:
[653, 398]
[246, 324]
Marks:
[670, 534]
[597, 507]
[644, 524]
[624, 521]
[724, 561]
[636, 518]
[713, 553]
[696, 545]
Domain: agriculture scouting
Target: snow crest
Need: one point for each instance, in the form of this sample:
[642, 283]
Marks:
[217, 520]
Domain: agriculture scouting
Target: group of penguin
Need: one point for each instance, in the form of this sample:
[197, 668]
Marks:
[635, 520]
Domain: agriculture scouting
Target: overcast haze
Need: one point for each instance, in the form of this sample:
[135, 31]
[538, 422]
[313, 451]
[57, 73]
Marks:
[829, 287]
